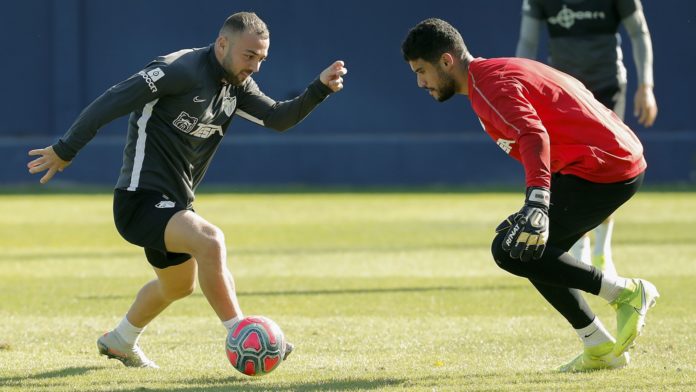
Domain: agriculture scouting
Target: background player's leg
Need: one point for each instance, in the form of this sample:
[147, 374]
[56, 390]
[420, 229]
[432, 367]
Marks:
[601, 254]
[614, 99]
[618, 102]
[581, 249]
[188, 232]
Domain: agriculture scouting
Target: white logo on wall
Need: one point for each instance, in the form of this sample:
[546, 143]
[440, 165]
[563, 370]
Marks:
[506, 145]
[165, 204]
[567, 17]
[185, 122]
[228, 104]
[151, 77]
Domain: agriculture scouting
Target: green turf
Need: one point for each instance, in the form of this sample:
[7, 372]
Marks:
[379, 292]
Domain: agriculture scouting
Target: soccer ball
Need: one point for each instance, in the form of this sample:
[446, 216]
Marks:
[255, 345]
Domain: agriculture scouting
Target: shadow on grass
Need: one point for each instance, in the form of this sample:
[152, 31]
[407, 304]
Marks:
[252, 385]
[52, 374]
[60, 377]
[473, 381]
[631, 380]
[340, 291]
[220, 384]
[232, 252]
[377, 290]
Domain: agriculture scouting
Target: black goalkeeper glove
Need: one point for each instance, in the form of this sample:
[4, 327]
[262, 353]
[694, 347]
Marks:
[529, 228]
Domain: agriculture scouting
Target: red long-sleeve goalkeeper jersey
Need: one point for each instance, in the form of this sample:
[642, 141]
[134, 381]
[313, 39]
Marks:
[551, 123]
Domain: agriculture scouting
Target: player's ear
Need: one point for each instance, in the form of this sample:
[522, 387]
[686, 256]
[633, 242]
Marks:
[221, 42]
[446, 60]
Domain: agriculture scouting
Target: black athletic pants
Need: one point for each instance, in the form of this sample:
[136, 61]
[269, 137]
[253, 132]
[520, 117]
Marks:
[577, 206]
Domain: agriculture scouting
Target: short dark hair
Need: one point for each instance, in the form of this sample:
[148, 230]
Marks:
[429, 39]
[245, 22]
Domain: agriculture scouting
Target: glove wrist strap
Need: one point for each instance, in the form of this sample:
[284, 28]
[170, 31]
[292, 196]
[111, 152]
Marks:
[538, 196]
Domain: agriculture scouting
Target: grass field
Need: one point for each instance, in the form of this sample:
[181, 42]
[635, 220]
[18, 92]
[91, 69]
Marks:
[379, 292]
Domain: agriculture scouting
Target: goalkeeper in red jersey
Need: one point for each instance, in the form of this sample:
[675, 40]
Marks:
[581, 163]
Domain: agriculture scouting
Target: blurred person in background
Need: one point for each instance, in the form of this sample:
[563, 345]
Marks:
[181, 105]
[584, 42]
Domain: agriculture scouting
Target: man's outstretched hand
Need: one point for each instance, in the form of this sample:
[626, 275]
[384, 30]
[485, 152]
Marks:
[47, 161]
[332, 76]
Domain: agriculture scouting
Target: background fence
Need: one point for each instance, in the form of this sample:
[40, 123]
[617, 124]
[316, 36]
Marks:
[381, 130]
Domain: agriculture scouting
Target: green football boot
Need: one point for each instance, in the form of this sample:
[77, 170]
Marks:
[596, 358]
[631, 308]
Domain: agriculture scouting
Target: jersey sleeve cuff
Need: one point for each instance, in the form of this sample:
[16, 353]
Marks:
[320, 89]
[63, 151]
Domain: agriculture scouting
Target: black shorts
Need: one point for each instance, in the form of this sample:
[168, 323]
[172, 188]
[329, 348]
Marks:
[613, 97]
[141, 217]
[578, 206]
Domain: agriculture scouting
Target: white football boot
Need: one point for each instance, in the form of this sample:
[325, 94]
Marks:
[112, 345]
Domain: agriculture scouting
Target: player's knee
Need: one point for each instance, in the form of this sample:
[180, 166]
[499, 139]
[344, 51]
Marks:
[212, 245]
[500, 256]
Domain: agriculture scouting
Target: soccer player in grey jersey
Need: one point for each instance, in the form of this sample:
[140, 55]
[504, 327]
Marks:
[584, 42]
[181, 105]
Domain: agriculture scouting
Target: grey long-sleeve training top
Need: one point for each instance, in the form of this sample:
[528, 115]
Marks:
[180, 107]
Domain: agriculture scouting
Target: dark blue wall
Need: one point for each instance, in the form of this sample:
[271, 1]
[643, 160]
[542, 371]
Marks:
[59, 55]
